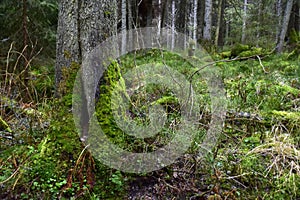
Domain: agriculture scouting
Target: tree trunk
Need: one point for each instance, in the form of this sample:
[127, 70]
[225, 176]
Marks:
[284, 27]
[156, 21]
[207, 20]
[25, 43]
[165, 13]
[200, 18]
[123, 26]
[190, 19]
[173, 25]
[244, 21]
[195, 6]
[218, 27]
[82, 25]
[222, 33]
[67, 45]
[130, 23]
[259, 19]
[97, 22]
[279, 17]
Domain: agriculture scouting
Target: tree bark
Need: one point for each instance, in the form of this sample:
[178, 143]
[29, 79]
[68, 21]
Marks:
[173, 10]
[195, 6]
[123, 26]
[244, 21]
[67, 45]
[279, 17]
[259, 19]
[130, 23]
[25, 43]
[82, 25]
[207, 20]
[218, 27]
[285, 23]
[200, 18]
[156, 21]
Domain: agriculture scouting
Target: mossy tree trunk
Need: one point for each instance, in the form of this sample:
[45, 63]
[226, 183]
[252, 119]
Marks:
[82, 25]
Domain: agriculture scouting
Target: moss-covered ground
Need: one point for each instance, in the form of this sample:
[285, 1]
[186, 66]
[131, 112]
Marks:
[257, 156]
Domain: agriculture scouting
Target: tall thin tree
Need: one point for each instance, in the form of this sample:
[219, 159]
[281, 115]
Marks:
[284, 27]
[123, 26]
[195, 8]
[173, 10]
[207, 20]
[279, 17]
[244, 21]
[218, 27]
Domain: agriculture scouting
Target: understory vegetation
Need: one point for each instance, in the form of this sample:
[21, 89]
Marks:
[256, 157]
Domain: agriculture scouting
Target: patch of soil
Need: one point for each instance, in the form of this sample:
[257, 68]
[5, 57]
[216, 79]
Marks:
[177, 181]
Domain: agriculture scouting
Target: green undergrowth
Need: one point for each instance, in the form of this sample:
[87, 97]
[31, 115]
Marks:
[270, 88]
[52, 163]
[140, 97]
[256, 157]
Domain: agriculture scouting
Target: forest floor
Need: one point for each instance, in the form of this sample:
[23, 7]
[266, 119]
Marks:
[257, 155]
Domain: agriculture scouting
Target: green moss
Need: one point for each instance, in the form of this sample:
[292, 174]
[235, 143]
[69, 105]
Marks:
[293, 116]
[252, 52]
[112, 81]
[4, 125]
[165, 100]
[225, 54]
[239, 48]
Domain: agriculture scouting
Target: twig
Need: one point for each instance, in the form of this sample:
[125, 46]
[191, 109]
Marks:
[237, 176]
[79, 157]
[239, 183]
[171, 186]
[266, 72]
[219, 61]
[7, 67]
[11, 176]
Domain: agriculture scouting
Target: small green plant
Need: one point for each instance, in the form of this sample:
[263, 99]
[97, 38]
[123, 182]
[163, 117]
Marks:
[118, 180]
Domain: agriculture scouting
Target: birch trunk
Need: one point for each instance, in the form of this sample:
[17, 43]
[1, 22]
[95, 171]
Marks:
[258, 27]
[244, 21]
[130, 23]
[123, 26]
[156, 21]
[195, 6]
[190, 19]
[279, 17]
[207, 20]
[173, 25]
